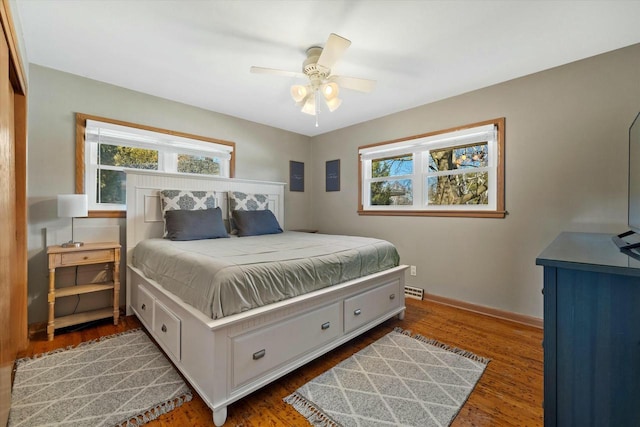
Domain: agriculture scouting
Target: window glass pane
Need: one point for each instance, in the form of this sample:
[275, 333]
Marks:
[460, 157]
[392, 166]
[459, 189]
[111, 187]
[198, 164]
[129, 157]
[392, 192]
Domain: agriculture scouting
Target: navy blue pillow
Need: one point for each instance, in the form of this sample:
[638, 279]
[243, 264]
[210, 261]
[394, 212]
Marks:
[195, 225]
[255, 223]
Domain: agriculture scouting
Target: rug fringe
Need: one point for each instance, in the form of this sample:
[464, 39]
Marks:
[311, 412]
[156, 411]
[439, 344]
[71, 347]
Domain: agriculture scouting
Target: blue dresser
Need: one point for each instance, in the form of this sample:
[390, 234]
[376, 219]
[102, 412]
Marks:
[591, 332]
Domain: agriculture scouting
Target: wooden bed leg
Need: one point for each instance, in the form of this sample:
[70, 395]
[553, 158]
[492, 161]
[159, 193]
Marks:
[220, 416]
[401, 315]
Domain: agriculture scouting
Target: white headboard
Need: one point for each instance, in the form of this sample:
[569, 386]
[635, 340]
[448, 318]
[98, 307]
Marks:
[144, 215]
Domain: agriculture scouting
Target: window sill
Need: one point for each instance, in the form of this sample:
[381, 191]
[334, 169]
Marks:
[460, 214]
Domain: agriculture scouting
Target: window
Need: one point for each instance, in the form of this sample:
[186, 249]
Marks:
[455, 172]
[109, 148]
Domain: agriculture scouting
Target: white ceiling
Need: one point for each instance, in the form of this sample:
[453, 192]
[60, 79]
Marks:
[199, 52]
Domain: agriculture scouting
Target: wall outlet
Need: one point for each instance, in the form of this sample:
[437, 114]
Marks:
[413, 271]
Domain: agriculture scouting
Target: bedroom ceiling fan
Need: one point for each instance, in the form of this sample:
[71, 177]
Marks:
[322, 84]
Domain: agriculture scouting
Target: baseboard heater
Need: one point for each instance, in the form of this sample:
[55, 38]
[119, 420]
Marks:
[415, 293]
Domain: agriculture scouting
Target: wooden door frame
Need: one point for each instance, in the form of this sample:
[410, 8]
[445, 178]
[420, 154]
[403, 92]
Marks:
[13, 284]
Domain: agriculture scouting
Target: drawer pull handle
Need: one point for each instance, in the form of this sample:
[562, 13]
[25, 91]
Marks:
[392, 296]
[164, 328]
[259, 354]
[325, 325]
[86, 257]
[357, 312]
[144, 306]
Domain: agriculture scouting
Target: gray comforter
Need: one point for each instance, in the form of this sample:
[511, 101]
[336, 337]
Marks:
[221, 277]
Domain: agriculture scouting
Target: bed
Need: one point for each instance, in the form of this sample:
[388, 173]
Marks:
[228, 350]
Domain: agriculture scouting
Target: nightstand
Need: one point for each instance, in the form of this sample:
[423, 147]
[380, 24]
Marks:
[89, 253]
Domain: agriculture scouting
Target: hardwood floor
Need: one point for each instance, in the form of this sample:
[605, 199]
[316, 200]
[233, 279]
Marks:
[508, 394]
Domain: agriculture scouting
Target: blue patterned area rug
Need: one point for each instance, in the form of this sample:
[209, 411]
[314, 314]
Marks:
[399, 380]
[122, 380]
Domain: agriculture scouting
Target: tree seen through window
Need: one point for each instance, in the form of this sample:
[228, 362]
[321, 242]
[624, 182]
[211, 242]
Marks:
[111, 182]
[453, 186]
[392, 191]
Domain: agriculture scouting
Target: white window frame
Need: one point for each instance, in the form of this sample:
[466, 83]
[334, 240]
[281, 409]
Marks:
[93, 131]
[419, 146]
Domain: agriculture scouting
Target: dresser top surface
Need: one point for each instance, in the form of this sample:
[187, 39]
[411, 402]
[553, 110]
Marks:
[588, 251]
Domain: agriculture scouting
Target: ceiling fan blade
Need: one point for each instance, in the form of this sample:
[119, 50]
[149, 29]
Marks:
[333, 50]
[354, 83]
[262, 70]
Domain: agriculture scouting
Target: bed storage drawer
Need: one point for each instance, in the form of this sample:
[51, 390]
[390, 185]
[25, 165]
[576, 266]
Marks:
[259, 351]
[144, 305]
[362, 309]
[167, 328]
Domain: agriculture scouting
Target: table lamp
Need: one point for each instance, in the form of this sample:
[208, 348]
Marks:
[72, 206]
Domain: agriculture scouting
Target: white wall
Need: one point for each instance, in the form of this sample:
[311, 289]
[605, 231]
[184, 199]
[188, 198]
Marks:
[262, 153]
[566, 169]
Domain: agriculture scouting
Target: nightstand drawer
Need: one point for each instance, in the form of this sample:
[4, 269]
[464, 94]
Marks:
[88, 257]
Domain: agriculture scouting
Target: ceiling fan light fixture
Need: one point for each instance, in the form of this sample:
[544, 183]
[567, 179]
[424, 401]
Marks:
[333, 104]
[299, 92]
[330, 91]
[309, 106]
[321, 83]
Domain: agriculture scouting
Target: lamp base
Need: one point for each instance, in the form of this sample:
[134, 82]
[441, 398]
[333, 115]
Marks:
[72, 244]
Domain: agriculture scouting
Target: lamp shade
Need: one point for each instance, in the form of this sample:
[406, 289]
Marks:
[298, 93]
[73, 205]
[309, 106]
[330, 91]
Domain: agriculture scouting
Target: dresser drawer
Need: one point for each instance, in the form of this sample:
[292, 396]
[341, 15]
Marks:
[144, 305]
[166, 325]
[87, 257]
[259, 351]
[362, 309]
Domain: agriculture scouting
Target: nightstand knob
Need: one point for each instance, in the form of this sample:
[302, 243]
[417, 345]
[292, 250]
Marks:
[86, 257]
[392, 296]
[357, 312]
[144, 306]
[164, 328]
